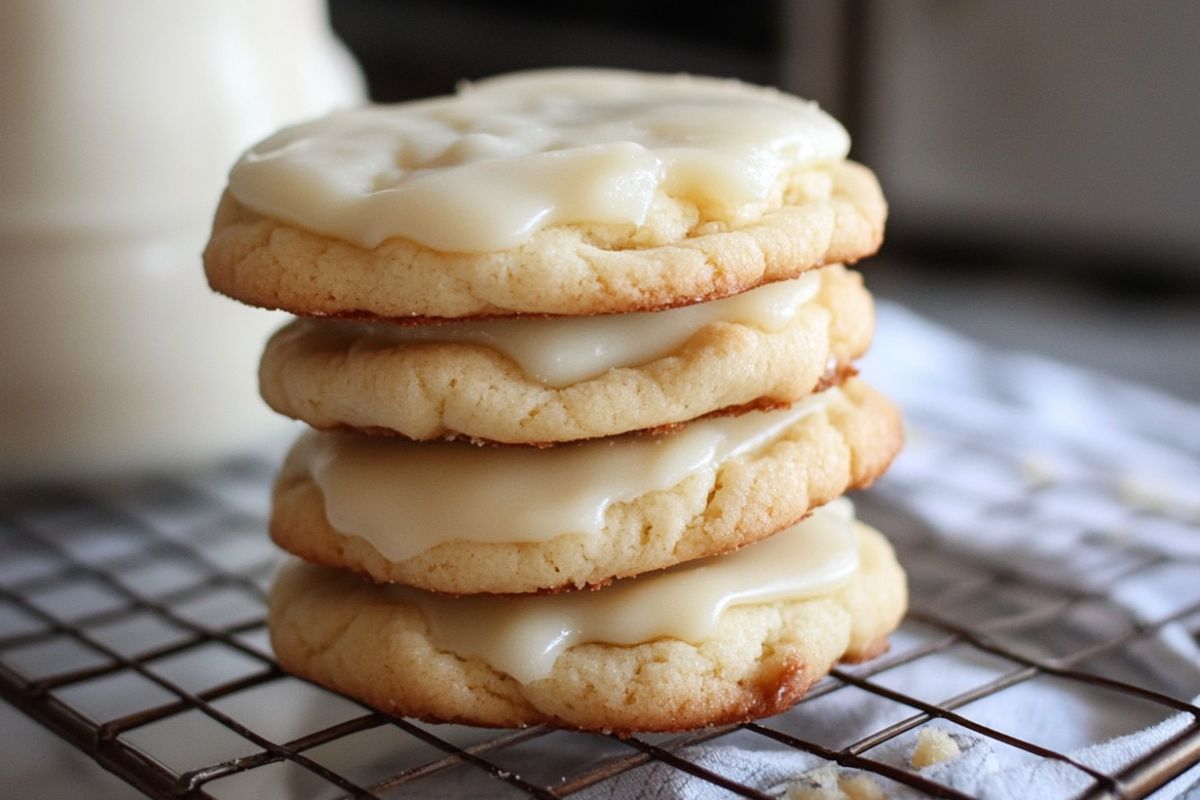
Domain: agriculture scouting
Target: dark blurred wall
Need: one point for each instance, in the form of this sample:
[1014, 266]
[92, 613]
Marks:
[413, 49]
[1072, 125]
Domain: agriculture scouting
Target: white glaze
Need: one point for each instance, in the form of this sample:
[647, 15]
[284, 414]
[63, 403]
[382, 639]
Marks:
[562, 351]
[483, 170]
[522, 636]
[406, 497]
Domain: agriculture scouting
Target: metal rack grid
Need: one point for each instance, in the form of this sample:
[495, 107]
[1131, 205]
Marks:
[106, 592]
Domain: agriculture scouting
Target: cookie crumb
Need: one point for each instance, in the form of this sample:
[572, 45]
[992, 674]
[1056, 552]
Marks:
[934, 746]
[860, 786]
[1155, 496]
[831, 783]
[817, 784]
[1039, 473]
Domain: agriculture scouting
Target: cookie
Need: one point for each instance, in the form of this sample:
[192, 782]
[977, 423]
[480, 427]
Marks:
[455, 518]
[558, 380]
[474, 660]
[590, 192]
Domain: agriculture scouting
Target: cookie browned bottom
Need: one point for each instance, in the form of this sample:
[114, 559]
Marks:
[360, 639]
[820, 215]
[845, 444]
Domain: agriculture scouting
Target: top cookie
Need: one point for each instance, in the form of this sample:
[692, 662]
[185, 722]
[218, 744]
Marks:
[555, 192]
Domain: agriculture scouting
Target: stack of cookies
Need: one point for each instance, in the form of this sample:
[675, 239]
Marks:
[577, 352]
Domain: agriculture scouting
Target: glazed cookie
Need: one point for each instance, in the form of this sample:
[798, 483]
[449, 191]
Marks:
[460, 519]
[538, 381]
[559, 192]
[701, 644]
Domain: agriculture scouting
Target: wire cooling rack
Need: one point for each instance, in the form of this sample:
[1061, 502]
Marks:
[131, 625]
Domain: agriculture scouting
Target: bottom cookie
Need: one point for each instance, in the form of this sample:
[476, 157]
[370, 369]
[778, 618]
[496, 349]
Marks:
[716, 641]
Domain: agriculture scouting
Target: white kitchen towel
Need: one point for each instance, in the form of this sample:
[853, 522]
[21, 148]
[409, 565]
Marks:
[975, 771]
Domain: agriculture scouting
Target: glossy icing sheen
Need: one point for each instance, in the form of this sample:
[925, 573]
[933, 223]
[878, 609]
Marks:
[483, 170]
[524, 635]
[405, 497]
[562, 351]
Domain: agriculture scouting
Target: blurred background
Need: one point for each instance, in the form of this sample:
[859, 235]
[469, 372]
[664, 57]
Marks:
[1042, 159]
